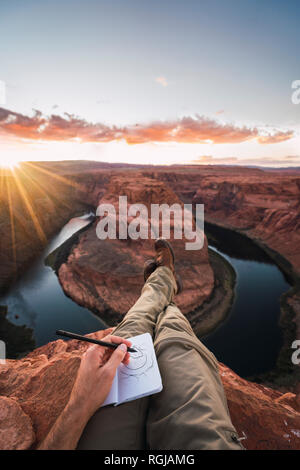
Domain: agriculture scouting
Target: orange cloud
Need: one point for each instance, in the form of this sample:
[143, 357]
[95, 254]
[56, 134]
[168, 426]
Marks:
[197, 129]
[275, 138]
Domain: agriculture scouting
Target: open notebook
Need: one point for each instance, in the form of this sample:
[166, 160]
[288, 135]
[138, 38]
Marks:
[141, 377]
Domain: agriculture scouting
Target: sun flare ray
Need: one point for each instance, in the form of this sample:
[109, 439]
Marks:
[40, 189]
[60, 178]
[26, 200]
[12, 224]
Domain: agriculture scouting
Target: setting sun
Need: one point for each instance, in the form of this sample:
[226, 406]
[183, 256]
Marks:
[9, 163]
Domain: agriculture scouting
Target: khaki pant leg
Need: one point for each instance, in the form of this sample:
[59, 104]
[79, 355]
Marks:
[123, 427]
[157, 293]
[191, 411]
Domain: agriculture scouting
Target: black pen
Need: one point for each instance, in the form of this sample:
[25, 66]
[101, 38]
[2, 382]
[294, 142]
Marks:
[90, 340]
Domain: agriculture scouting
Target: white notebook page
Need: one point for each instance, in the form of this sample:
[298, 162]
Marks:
[140, 377]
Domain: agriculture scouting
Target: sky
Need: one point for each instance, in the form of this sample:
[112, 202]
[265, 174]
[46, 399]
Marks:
[166, 81]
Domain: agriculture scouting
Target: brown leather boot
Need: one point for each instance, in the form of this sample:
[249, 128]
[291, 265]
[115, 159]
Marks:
[164, 254]
[165, 257]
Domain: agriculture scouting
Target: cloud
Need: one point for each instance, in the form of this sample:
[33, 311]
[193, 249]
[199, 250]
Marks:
[197, 129]
[287, 160]
[275, 138]
[162, 81]
[54, 127]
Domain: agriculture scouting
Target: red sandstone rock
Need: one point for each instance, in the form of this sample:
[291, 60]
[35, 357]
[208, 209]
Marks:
[266, 418]
[34, 390]
[16, 432]
[39, 386]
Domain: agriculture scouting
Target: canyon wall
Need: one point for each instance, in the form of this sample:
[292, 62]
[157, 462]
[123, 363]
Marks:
[262, 204]
[36, 200]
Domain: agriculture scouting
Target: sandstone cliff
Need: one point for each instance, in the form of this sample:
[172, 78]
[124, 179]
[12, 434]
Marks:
[33, 208]
[34, 390]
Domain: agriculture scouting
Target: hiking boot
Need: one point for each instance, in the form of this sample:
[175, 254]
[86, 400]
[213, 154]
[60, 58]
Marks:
[164, 254]
[165, 257]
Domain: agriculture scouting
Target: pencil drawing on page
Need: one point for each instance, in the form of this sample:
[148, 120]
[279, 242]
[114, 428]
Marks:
[140, 363]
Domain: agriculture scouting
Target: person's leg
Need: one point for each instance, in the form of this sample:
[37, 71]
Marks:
[123, 427]
[157, 293]
[191, 411]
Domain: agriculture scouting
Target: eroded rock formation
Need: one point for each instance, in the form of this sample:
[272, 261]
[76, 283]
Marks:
[106, 276]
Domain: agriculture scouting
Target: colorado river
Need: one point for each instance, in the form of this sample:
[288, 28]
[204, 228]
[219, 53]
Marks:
[250, 338]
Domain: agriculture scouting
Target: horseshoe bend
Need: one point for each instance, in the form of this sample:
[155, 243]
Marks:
[106, 276]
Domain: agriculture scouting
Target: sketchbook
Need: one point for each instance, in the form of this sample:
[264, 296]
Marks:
[139, 378]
